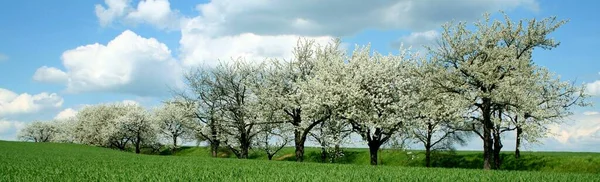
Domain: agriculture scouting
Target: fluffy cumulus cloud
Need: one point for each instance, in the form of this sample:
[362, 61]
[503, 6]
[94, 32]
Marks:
[50, 75]
[593, 88]
[418, 40]
[66, 114]
[8, 129]
[128, 64]
[342, 17]
[199, 49]
[581, 133]
[154, 12]
[14, 104]
[317, 18]
[256, 29]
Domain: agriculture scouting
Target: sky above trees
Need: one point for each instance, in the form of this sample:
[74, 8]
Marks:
[56, 57]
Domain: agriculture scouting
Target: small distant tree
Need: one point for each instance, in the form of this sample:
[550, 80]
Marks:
[272, 138]
[438, 121]
[379, 91]
[202, 94]
[290, 89]
[233, 83]
[174, 119]
[330, 135]
[97, 125]
[38, 131]
[545, 103]
[137, 126]
[65, 130]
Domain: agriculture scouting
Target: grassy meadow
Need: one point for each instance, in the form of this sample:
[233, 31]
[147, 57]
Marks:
[22, 161]
[575, 162]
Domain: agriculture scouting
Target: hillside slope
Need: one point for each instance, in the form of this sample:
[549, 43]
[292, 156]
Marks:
[576, 162]
[20, 161]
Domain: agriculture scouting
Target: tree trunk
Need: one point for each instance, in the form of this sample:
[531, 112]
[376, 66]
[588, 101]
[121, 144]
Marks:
[214, 148]
[517, 151]
[270, 156]
[428, 156]
[487, 149]
[299, 142]
[373, 149]
[174, 141]
[299, 151]
[428, 145]
[174, 144]
[323, 154]
[138, 141]
[497, 149]
[244, 143]
[244, 152]
[487, 134]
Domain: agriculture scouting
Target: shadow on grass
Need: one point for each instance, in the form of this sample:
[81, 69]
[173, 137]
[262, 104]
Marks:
[475, 161]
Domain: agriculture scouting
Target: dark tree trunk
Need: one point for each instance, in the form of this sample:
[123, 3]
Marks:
[138, 141]
[270, 156]
[323, 154]
[299, 138]
[300, 135]
[299, 142]
[428, 157]
[244, 152]
[214, 141]
[214, 148]
[174, 141]
[174, 144]
[428, 145]
[518, 145]
[487, 134]
[245, 144]
[497, 149]
[373, 149]
[487, 149]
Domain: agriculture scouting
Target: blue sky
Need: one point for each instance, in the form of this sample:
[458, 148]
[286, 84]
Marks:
[55, 56]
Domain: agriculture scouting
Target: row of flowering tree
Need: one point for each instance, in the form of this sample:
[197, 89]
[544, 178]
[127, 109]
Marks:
[482, 82]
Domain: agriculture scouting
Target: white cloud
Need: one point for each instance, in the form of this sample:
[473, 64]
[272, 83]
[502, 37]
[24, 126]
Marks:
[308, 18]
[153, 12]
[130, 102]
[342, 17]
[593, 88]
[50, 75]
[8, 129]
[14, 104]
[417, 40]
[582, 133]
[4, 126]
[66, 114]
[589, 113]
[258, 29]
[3, 57]
[114, 10]
[199, 49]
[127, 64]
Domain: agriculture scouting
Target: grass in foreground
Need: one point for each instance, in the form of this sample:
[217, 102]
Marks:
[69, 162]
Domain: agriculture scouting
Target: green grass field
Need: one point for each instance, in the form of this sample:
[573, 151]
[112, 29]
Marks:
[20, 161]
[575, 162]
